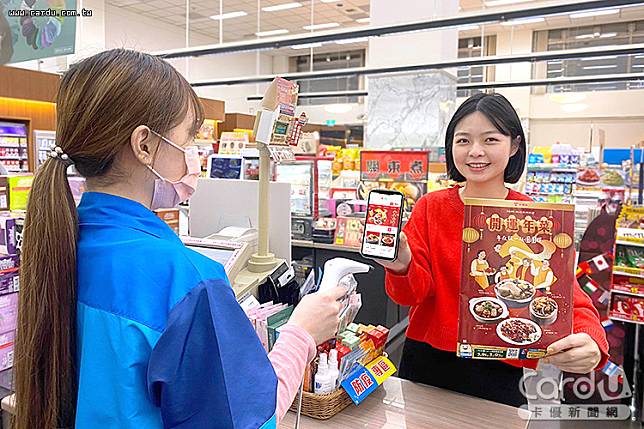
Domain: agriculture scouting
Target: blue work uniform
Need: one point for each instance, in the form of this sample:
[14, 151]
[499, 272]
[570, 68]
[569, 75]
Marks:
[161, 340]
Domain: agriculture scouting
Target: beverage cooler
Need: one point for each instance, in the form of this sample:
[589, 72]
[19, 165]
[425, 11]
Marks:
[43, 141]
[310, 178]
[13, 147]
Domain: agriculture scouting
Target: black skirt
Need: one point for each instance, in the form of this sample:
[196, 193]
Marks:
[487, 379]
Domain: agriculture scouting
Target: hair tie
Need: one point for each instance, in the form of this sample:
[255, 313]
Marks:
[56, 152]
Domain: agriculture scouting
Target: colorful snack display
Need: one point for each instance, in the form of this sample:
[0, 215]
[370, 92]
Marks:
[517, 277]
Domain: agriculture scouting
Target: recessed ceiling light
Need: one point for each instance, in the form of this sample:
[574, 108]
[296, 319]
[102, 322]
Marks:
[321, 26]
[284, 6]
[612, 66]
[591, 13]
[271, 32]
[228, 15]
[522, 21]
[607, 57]
[366, 20]
[307, 46]
[493, 3]
[356, 40]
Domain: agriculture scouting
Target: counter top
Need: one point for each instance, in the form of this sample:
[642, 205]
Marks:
[314, 245]
[399, 404]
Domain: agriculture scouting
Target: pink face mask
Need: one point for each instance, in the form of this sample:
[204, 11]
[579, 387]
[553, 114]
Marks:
[168, 194]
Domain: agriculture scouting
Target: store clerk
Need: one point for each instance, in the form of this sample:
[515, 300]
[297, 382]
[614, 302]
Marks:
[485, 148]
[121, 326]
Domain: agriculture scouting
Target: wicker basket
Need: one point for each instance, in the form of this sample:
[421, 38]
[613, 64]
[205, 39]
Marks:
[323, 407]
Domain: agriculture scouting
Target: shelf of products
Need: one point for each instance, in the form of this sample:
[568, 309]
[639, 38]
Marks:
[627, 288]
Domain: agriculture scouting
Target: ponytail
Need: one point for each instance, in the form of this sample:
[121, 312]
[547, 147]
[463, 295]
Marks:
[100, 101]
[45, 376]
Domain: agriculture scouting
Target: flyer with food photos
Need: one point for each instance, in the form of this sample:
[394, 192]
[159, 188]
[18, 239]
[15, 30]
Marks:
[517, 278]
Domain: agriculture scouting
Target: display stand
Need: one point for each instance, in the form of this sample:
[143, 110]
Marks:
[276, 130]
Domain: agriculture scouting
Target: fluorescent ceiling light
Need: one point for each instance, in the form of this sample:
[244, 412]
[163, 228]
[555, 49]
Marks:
[271, 32]
[585, 36]
[639, 57]
[494, 3]
[556, 71]
[468, 27]
[607, 57]
[338, 108]
[366, 20]
[605, 35]
[356, 40]
[284, 6]
[638, 66]
[521, 21]
[321, 26]
[591, 13]
[307, 46]
[574, 107]
[228, 15]
[612, 66]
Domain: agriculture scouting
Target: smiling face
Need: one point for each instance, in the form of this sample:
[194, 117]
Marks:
[481, 152]
[482, 254]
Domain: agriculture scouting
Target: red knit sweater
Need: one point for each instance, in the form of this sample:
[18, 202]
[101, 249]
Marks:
[431, 285]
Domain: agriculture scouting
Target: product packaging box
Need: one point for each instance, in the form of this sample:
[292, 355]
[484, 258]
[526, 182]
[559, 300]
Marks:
[517, 275]
[8, 243]
[628, 308]
[169, 216]
[17, 190]
[9, 282]
[8, 312]
[6, 350]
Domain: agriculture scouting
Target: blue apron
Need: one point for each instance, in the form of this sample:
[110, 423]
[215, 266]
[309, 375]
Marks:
[161, 340]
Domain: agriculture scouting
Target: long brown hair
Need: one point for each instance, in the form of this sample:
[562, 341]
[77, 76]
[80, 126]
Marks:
[101, 100]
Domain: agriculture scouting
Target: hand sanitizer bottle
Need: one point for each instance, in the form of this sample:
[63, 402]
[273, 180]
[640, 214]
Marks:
[322, 375]
[334, 372]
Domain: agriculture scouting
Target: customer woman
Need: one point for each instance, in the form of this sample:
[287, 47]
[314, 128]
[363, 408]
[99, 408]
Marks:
[485, 148]
[120, 325]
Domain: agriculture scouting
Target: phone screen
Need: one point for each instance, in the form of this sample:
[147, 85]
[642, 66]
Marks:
[382, 228]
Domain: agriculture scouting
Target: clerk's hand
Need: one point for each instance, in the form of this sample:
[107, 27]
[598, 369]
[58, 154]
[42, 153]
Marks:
[318, 313]
[401, 264]
[576, 353]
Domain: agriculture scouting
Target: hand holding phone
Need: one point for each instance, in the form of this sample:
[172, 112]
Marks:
[383, 225]
[401, 264]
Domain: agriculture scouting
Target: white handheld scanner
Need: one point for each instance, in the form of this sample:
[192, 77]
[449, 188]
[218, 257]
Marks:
[336, 268]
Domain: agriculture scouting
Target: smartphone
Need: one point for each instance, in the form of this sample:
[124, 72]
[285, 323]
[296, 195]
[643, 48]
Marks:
[383, 225]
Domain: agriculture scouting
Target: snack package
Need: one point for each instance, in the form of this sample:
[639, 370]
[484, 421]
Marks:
[621, 307]
[517, 275]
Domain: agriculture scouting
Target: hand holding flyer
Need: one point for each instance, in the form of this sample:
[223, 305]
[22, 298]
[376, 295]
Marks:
[517, 278]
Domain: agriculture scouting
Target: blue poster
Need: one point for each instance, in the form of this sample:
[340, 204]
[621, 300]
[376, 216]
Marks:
[34, 29]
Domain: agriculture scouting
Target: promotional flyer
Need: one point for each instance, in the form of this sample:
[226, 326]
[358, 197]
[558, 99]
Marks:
[517, 277]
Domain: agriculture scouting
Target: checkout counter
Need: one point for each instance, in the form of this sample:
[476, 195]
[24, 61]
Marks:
[400, 404]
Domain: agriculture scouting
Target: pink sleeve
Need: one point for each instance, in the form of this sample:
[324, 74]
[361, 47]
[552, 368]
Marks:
[292, 351]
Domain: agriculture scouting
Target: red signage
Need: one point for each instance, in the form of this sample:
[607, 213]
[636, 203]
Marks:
[397, 166]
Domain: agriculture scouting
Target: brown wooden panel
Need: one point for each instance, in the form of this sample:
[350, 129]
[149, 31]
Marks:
[28, 84]
[213, 109]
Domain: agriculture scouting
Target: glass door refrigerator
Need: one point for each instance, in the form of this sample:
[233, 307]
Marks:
[43, 141]
[300, 174]
[13, 147]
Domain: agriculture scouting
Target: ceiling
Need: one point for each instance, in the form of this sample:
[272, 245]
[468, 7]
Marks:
[205, 30]
[342, 12]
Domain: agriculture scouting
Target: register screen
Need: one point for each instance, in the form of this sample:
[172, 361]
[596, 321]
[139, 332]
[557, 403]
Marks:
[219, 255]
